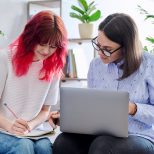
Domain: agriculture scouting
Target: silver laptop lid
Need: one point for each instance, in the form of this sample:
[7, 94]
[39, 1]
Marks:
[94, 111]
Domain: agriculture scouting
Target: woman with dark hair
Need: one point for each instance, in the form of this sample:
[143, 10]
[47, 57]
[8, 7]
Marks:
[30, 70]
[121, 66]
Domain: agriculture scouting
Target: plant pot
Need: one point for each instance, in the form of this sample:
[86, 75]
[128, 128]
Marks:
[86, 30]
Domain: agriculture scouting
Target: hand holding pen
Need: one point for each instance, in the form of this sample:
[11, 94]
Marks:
[19, 126]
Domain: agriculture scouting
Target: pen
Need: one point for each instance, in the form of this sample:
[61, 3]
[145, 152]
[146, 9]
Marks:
[11, 111]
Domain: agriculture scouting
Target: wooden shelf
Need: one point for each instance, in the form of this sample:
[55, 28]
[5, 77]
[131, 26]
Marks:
[73, 79]
[75, 41]
[79, 40]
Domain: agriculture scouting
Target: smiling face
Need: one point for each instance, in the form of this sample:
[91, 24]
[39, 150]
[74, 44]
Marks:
[42, 52]
[106, 44]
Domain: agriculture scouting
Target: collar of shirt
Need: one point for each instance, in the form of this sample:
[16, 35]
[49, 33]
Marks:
[113, 65]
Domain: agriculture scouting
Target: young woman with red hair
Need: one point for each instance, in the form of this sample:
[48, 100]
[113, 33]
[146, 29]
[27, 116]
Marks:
[30, 70]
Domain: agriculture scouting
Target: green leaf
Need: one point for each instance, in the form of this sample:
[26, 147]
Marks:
[143, 11]
[91, 10]
[84, 4]
[91, 4]
[74, 15]
[150, 39]
[149, 16]
[95, 16]
[86, 18]
[85, 11]
[77, 9]
[1, 33]
[145, 48]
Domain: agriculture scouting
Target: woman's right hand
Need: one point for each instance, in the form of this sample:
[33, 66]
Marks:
[19, 127]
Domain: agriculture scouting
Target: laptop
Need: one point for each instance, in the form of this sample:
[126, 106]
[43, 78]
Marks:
[94, 111]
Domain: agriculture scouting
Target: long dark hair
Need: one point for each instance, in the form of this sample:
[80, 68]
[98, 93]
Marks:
[121, 28]
[45, 27]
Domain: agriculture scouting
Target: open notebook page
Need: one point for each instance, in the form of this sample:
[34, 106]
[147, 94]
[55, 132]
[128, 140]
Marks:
[44, 130]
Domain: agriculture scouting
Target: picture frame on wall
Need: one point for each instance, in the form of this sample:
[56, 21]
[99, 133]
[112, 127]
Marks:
[33, 7]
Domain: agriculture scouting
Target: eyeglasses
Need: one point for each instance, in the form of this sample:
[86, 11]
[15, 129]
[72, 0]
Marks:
[106, 52]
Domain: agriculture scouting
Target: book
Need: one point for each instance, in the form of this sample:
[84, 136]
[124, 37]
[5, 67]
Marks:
[72, 64]
[66, 69]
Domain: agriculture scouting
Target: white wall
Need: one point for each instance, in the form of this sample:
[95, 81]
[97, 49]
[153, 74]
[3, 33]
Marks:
[13, 16]
[112, 6]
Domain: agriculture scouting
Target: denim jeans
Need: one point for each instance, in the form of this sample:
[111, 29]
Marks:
[67, 143]
[13, 145]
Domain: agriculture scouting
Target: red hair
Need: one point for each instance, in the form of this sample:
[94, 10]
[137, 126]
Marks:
[44, 28]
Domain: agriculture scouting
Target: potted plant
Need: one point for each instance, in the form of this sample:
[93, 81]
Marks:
[1, 33]
[150, 38]
[86, 13]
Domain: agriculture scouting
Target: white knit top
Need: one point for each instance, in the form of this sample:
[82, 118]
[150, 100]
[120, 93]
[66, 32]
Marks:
[27, 94]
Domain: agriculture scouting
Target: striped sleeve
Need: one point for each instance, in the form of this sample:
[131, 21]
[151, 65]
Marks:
[52, 96]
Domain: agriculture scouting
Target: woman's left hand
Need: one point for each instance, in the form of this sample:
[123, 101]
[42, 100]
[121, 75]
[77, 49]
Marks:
[54, 118]
[132, 108]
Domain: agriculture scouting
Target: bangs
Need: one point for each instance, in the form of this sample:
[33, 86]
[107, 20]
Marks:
[53, 39]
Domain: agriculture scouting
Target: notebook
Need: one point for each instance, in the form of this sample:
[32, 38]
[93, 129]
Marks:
[94, 111]
[43, 130]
